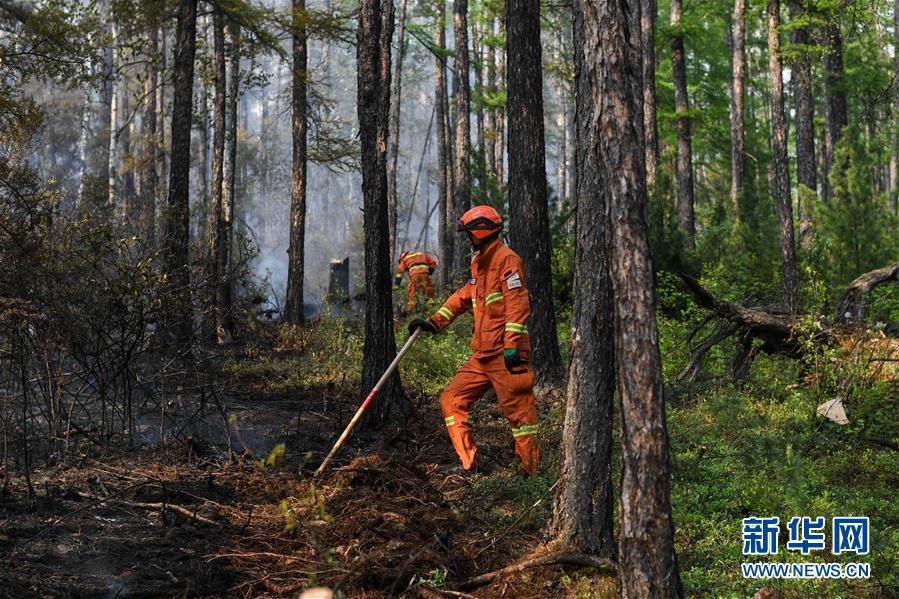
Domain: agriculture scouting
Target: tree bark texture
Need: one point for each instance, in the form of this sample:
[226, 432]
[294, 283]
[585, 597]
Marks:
[894, 159]
[373, 100]
[737, 97]
[835, 107]
[149, 181]
[216, 197]
[177, 232]
[582, 510]
[293, 304]
[648, 14]
[781, 163]
[806, 167]
[393, 133]
[490, 116]
[229, 198]
[647, 560]
[528, 209]
[160, 134]
[462, 94]
[445, 230]
[683, 126]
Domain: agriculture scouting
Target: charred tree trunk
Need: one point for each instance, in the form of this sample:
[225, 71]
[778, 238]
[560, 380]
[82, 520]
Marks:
[178, 320]
[648, 14]
[737, 96]
[160, 135]
[806, 167]
[216, 203]
[528, 210]
[683, 126]
[114, 109]
[373, 100]
[582, 510]
[648, 564]
[444, 189]
[781, 188]
[394, 130]
[293, 304]
[462, 93]
[835, 107]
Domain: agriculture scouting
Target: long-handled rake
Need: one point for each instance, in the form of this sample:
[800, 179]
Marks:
[369, 399]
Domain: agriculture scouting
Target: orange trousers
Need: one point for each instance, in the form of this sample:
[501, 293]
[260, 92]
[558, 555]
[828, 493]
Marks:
[418, 283]
[516, 400]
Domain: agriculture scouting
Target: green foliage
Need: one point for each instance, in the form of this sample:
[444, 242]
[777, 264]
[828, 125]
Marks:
[855, 231]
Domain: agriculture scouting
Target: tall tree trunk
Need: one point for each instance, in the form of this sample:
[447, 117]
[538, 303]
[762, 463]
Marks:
[445, 230]
[501, 111]
[894, 159]
[160, 137]
[462, 93]
[490, 113]
[114, 99]
[683, 126]
[737, 96]
[648, 14]
[226, 266]
[806, 167]
[394, 128]
[179, 322]
[647, 562]
[528, 210]
[582, 509]
[127, 192]
[216, 200]
[373, 99]
[293, 305]
[477, 49]
[149, 177]
[781, 188]
[835, 108]
[203, 145]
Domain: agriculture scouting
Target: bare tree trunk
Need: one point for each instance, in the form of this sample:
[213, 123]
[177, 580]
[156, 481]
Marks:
[216, 202]
[444, 189]
[806, 168]
[203, 146]
[462, 93]
[894, 158]
[737, 96]
[114, 92]
[373, 99]
[781, 188]
[293, 305]
[226, 266]
[127, 192]
[501, 111]
[583, 505]
[835, 108]
[648, 15]
[683, 126]
[648, 565]
[149, 177]
[528, 209]
[179, 322]
[490, 116]
[394, 128]
[160, 137]
[478, 51]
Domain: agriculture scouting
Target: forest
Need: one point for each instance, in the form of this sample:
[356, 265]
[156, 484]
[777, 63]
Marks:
[268, 268]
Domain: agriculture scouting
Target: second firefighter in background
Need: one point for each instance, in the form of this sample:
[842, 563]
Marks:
[420, 266]
[498, 297]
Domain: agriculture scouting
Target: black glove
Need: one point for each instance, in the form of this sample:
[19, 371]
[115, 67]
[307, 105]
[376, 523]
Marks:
[420, 323]
[431, 271]
[513, 360]
[398, 281]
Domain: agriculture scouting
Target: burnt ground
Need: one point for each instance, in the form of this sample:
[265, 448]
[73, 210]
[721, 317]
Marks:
[391, 517]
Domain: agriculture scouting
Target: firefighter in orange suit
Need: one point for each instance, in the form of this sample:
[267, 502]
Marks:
[498, 298]
[420, 266]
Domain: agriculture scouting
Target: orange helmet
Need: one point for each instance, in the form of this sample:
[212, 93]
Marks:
[480, 222]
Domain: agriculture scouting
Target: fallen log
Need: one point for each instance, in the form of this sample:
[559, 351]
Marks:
[854, 300]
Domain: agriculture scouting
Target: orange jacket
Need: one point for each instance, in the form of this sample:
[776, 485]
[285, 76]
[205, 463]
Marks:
[416, 263]
[497, 295]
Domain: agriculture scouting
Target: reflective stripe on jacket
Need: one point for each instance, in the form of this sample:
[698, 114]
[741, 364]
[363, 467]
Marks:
[498, 296]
